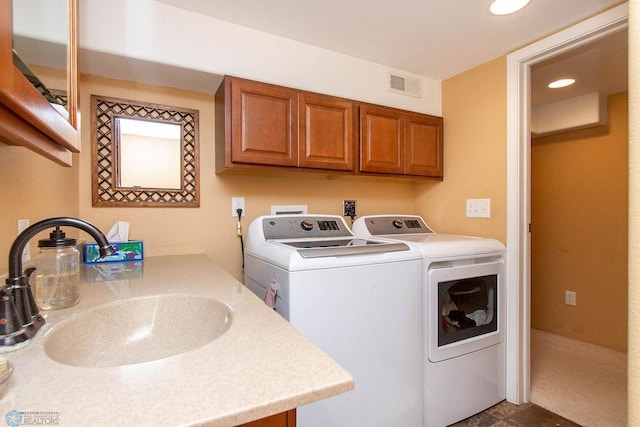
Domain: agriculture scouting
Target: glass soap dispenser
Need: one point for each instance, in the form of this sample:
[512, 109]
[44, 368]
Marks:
[57, 272]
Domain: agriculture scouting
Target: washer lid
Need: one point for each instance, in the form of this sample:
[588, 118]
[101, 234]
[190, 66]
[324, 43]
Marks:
[342, 247]
[317, 236]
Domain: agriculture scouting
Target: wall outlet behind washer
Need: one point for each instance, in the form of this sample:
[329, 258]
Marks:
[237, 203]
[349, 208]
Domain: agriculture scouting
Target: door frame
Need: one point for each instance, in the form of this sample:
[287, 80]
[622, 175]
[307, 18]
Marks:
[519, 185]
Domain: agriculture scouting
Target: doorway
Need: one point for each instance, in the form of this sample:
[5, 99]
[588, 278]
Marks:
[579, 203]
[519, 184]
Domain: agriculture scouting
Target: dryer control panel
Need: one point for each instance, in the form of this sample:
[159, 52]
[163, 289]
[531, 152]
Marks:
[384, 225]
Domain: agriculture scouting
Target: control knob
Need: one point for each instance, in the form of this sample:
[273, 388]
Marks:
[306, 225]
[397, 223]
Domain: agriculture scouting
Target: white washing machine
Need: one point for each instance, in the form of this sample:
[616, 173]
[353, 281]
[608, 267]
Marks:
[463, 319]
[359, 300]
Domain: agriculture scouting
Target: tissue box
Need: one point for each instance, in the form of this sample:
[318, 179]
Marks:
[125, 251]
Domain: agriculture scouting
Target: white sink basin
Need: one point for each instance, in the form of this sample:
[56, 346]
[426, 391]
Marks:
[137, 330]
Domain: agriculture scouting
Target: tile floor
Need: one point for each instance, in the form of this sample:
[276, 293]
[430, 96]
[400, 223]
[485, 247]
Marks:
[506, 414]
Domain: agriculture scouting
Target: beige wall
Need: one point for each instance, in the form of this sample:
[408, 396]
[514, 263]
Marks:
[475, 154]
[210, 229]
[579, 231]
[33, 188]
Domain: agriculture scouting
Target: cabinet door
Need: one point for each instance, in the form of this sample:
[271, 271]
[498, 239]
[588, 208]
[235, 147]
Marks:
[263, 124]
[423, 145]
[283, 419]
[326, 137]
[381, 139]
[26, 116]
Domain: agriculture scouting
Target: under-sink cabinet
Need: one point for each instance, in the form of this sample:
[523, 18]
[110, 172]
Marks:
[283, 419]
[30, 117]
[262, 126]
[398, 142]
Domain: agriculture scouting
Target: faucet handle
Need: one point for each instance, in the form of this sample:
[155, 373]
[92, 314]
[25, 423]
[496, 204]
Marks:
[27, 274]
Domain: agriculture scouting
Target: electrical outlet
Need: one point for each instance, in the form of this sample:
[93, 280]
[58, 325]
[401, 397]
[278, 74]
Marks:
[349, 208]
[237, 203]
[570, 298]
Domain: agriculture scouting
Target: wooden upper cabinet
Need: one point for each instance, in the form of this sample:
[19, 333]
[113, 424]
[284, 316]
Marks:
[263, 125]
[398, 142]
[423, 145]
[381, 139]
[264, 122]
[326, 138]
[27, 118]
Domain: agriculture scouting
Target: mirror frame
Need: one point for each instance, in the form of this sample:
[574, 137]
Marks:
[104, 152]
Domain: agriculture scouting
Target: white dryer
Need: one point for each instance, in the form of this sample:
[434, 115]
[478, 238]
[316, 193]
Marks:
[463, 283]
[359, 300]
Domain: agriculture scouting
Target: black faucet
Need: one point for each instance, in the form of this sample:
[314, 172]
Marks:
[19, 315]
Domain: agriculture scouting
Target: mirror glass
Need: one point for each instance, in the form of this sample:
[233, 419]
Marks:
[149, 154]
[40, 39]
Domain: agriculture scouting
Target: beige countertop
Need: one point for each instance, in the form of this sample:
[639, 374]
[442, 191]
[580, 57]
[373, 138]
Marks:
[261, 366]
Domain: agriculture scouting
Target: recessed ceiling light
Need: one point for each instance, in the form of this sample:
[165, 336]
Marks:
[505, 7]
[561, 83]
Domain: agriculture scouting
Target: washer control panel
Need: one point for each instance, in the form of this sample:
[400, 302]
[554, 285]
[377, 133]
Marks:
[304, 226]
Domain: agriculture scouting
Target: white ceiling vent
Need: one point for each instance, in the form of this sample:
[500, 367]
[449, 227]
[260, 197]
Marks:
[404, 85]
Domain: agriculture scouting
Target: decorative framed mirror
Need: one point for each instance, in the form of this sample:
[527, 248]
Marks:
[144, 155]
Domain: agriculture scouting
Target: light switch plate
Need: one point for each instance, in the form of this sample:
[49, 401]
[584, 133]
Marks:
[478, 208]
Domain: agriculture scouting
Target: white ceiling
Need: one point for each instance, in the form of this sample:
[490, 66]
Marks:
[431, 38]
[600, 66]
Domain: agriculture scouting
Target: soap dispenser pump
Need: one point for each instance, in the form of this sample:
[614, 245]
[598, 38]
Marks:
[57, 274]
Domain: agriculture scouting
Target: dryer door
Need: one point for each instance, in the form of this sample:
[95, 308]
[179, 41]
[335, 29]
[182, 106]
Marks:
[465, 308]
